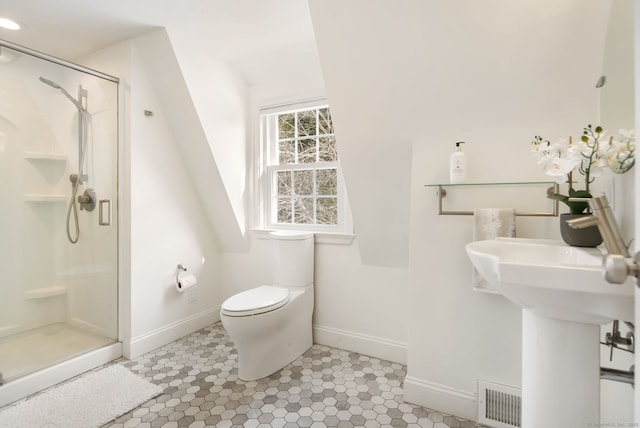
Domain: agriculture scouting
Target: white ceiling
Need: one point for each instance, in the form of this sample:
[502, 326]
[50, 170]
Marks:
[262, 40]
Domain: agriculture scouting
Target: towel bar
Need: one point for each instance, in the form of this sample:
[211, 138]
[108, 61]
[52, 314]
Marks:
[442, 192]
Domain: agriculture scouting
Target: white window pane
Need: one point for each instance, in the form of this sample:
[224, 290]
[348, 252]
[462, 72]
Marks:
[303, 211]
[325, 126]
[327, 151]
[283, 210]
[303, 182]
[286, 126]
[305, 186]
[306, 123]
[327, 211]
[284, 183]
[327, 182]
[307, 150]
[286, 152]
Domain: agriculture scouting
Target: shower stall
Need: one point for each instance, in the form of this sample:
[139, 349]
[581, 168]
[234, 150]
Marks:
[58, 217]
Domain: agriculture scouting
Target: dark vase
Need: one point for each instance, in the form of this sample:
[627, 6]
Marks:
[587, 237]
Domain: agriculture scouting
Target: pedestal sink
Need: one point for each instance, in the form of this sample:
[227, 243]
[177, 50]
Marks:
[565, 299]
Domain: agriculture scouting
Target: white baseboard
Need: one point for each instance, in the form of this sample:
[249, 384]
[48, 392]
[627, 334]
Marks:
[137, 346]
[441, 397]
[368, 345]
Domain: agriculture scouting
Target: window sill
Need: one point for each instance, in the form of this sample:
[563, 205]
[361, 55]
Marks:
[331, 238]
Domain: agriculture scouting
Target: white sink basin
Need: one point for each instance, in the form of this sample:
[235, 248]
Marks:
[564, 297]
[553, 279]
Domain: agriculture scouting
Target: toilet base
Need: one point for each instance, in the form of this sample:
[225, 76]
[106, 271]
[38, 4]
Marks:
[268, 342]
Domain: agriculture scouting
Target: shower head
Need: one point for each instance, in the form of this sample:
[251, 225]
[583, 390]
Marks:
[61, 89]
[50, 83]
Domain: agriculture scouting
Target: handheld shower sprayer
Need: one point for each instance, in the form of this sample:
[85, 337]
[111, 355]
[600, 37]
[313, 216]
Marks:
[49, 82]
[87, 199]
[61, 89]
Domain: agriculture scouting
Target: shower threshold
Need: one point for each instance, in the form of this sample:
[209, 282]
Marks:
[33, 350]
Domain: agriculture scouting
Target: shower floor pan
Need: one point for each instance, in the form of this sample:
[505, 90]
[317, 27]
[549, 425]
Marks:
[33, 350]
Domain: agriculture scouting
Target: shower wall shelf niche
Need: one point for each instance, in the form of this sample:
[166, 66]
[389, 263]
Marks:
[43, 162]
[442, 189]
[44, 292]
[37, 156]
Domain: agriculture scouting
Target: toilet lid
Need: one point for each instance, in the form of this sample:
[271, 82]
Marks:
[256, 301]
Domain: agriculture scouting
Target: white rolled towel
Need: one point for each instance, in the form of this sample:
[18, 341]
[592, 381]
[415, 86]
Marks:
[491, 223]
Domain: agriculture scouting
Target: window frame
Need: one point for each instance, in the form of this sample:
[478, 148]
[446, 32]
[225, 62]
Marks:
[269, 166]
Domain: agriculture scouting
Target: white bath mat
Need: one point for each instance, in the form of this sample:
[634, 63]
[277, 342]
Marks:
[89, 401]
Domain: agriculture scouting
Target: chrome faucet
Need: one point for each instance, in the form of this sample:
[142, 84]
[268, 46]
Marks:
[604, 218]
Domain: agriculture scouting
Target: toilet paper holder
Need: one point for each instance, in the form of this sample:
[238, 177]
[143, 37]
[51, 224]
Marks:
[181, 269]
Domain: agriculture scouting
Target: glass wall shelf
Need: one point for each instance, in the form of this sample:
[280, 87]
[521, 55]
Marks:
[442, 192]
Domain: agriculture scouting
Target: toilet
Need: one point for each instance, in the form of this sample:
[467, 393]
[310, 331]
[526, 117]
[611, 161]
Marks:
[270, 325]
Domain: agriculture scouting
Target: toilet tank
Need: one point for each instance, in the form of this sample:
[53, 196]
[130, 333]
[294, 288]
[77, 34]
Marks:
[292, 258]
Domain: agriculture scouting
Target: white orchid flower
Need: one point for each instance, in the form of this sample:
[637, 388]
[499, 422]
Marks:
[559, 168]
[589, 156]
[627, 133]
[621, 153]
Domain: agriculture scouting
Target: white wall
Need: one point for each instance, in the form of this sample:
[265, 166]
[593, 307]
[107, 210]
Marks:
[163, 221]
[204, 133]
[617, 102]
[421, 69]
[221, 105]
[359, 306]
[428, 74]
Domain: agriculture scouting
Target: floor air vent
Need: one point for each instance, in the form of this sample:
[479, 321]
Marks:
[499, 406]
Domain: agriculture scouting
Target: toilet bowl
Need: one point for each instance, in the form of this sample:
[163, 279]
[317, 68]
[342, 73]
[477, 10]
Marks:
[270, 325]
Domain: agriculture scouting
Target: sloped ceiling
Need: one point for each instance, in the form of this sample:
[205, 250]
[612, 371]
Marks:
[396, 72]
[432, 72]
[213, 41]
[264, 41]
[197, 144]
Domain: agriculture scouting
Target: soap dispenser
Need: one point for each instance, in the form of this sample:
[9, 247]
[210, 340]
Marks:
[458, 165]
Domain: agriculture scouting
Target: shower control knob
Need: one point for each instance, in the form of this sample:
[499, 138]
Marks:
[87, 200]
[617, 269]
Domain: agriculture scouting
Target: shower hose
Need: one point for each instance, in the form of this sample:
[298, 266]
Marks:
[73, 207]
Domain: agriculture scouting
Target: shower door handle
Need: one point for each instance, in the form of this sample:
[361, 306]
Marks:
[104, 211]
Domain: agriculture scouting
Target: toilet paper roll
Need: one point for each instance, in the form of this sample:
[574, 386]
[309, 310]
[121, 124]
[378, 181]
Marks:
[185, 282]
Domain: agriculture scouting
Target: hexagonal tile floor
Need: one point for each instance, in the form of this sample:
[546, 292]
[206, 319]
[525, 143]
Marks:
[325, 387]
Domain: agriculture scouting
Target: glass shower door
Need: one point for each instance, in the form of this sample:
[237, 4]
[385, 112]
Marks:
[58, 222]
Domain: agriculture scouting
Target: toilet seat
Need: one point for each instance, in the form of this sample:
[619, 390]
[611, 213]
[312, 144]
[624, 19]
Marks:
[256, 301]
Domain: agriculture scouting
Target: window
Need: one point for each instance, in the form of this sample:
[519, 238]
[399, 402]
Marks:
[302, 181]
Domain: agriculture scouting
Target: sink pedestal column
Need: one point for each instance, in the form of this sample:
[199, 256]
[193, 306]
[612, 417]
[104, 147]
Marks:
[560, 373]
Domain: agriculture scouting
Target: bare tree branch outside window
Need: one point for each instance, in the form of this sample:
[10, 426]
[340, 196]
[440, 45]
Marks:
[307, 193]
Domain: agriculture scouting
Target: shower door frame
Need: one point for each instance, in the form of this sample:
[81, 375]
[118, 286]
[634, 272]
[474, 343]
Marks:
[49, 376]
[59, 61]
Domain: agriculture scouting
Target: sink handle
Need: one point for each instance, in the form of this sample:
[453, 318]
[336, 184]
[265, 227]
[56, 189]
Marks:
[617, 268]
